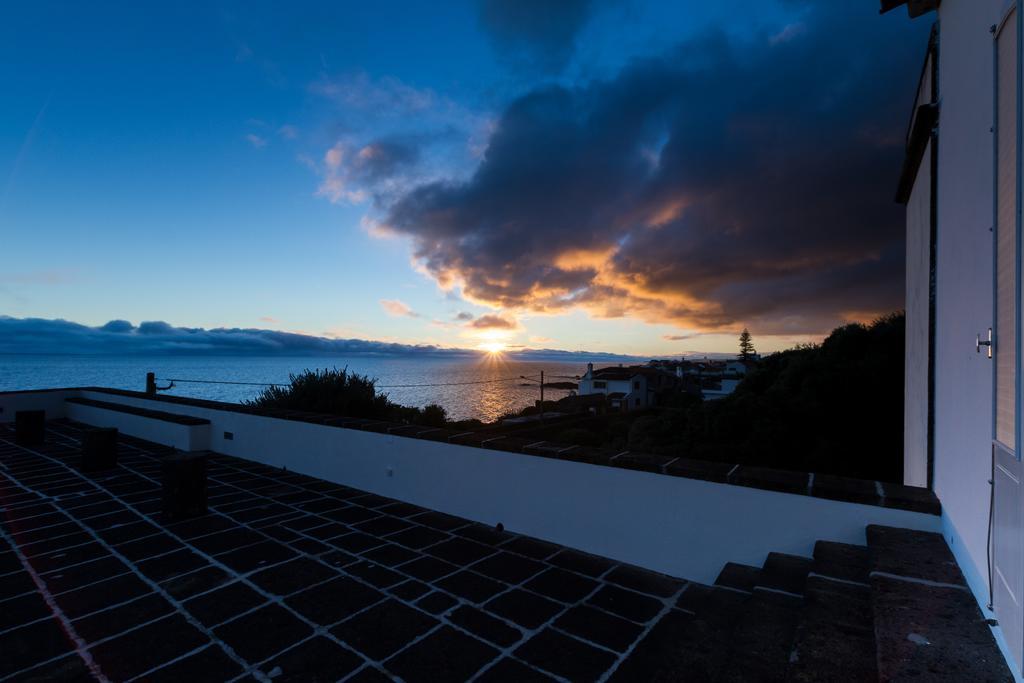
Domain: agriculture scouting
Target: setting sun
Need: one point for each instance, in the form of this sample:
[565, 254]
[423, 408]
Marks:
[493, 341]
[493, 347]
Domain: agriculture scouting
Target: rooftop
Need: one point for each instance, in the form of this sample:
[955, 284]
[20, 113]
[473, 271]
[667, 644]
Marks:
[289, 577]
[626, 373]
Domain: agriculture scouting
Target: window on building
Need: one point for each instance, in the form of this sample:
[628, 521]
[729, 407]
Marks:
[600, 385]
[636, 386]
[1006, 236]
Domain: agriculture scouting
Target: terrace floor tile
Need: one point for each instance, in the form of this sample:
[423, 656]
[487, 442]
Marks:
[316, 659]
[526, 609]
[32, 644]
[147, 647]
[223, 603]
[384, 629]
[292, 576]
[445, 656]
[572, 659]
[210, 663]
[263, 633]
[633, 606]
[333, 601]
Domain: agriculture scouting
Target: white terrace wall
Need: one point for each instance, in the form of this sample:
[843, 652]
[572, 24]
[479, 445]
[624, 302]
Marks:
[182, 437]
[683, 527]
[50, 401]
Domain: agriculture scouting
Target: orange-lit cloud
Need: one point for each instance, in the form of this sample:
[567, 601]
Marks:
[493, 321]
[397, 308]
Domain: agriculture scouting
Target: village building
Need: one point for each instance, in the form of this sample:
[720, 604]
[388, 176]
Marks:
[625, 388]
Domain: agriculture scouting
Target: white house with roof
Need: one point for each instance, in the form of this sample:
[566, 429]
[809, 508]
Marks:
[626, 388]
[736, 367]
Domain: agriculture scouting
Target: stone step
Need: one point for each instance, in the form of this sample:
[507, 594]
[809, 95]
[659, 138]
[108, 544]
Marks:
[842, 561]
[834, 638]
[739, 576]
[762, 641]
[918, 554]
[898, 609]
[714, 604]
[785, 572]
[927, 622]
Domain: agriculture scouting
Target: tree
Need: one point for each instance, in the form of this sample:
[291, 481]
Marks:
[833, 408]
[746, 345]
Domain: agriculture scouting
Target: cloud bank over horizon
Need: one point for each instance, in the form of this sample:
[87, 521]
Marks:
[45, 336]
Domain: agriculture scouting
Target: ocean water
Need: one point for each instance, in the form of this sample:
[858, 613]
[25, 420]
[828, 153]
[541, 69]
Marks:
[497, 387]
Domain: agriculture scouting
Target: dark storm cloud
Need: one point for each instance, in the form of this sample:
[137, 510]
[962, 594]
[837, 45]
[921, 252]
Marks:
[724, 183]
[541, 33]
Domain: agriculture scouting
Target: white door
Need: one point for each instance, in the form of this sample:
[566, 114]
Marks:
[1007, 578]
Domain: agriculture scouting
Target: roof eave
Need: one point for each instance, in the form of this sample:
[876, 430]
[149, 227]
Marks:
[915, 8]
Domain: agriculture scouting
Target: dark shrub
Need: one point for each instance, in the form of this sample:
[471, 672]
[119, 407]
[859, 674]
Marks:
[433, 415]
[344, 393]
[334, 392]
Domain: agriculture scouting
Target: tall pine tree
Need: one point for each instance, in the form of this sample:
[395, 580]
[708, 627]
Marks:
[746, 345]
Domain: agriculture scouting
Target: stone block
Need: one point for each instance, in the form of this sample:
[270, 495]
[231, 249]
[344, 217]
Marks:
[99, 449]
[29, 427]
[184, 485]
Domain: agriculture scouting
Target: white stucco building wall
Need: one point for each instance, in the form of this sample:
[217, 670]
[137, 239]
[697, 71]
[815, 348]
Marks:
[963, 457]
[964, 261]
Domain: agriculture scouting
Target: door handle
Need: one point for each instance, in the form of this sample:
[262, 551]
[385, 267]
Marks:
[978, 343]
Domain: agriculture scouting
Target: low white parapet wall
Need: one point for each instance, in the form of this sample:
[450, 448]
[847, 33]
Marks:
[683, 527]
[181, 436]
[50, 400]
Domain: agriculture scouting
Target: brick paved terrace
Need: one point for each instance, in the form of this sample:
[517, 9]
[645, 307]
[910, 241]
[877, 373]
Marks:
[288, 578]
[292, 578]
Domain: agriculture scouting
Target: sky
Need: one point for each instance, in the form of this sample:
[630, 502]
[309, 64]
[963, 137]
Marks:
[627, 176]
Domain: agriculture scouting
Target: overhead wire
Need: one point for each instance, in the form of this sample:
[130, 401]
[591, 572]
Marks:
[378, 386]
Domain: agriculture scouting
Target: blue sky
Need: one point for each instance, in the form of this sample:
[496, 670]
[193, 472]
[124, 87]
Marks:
[374, 170]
